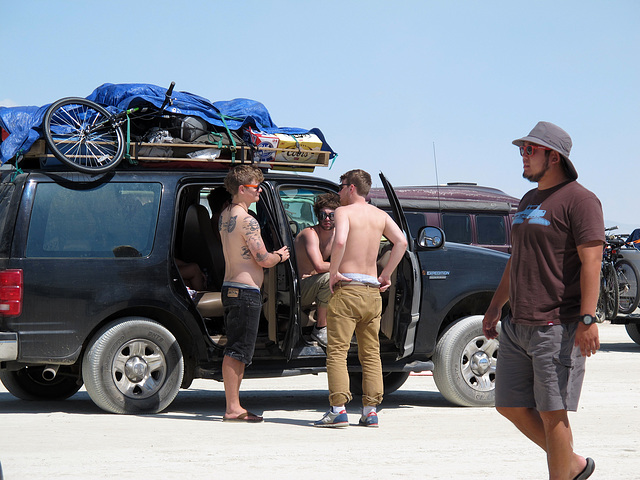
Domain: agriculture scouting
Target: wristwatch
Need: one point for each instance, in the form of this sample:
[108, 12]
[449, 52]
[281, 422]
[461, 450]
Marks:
[587, 319]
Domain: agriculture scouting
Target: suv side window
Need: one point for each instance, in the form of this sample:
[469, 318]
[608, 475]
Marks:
[457, 227]
[491, 229]
[113, 220]
[298, 203]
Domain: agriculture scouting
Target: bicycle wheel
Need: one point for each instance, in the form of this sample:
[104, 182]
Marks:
[81, 134]
[627, 286]
[611, 299]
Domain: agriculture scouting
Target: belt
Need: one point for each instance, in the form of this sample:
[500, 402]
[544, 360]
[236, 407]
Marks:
[355, 283]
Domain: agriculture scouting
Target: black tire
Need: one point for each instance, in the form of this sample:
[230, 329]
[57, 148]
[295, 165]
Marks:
[28, 384]
[633, 329]
[611, 292]
[600, 306]
[133, 366]
[392, 381]
[627, 286]
[81, 134]
[465, 364]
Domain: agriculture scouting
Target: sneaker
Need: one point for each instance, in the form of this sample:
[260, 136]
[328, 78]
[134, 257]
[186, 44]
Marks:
[370, 420]
[320, 335]
[331, 419]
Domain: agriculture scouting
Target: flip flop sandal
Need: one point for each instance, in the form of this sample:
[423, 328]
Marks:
[588, 470]
[247, 417]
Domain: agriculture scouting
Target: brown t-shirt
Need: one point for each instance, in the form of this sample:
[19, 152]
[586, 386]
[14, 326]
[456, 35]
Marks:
[545, 266]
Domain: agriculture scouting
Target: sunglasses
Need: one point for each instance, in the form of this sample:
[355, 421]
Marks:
[254, 186]
[342, 185]
[531, 149]
[325, 215]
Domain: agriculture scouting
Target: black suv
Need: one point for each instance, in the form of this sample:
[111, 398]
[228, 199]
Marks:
[90, 291]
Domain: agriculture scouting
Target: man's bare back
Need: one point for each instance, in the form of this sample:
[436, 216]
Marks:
[366, 226]
[359, 229]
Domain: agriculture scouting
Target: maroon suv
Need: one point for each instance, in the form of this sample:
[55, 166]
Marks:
[467, 213]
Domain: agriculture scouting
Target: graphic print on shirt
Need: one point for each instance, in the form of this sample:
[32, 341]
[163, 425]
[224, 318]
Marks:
[533, 214]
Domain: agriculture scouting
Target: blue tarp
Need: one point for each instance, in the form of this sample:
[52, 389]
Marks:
[24, 124]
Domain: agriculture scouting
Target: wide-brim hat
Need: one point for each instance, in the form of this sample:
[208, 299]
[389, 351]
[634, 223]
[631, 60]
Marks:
[551, 136]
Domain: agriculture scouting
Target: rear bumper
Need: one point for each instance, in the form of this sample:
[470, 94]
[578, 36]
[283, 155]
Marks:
[8, 346]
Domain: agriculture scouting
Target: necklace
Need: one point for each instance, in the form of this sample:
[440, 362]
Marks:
[240, 205]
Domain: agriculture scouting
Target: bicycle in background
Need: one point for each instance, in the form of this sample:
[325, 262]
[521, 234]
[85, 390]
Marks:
[609, 298]
[618, 281]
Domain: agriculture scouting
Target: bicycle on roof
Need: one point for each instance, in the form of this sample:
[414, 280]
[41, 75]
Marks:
[85, 136]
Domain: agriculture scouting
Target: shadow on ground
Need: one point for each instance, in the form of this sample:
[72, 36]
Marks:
[209, 403]
[629, 346]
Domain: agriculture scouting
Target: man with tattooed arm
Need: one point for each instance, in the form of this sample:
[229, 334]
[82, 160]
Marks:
[245, 255]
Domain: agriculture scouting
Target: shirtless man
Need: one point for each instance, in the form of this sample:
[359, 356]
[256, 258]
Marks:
[313, 249]
[356, 305]
[245, 256]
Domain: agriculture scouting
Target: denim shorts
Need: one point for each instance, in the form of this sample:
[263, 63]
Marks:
[539, 367]
[242, 307]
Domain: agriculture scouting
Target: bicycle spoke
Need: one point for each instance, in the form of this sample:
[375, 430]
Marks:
[81, 134]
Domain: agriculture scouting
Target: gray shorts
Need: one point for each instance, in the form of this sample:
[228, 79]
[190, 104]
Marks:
[539, 367]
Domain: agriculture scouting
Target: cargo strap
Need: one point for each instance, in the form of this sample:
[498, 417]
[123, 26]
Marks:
[17, 171]
[233, 142]
[127, 155]
[333, 160]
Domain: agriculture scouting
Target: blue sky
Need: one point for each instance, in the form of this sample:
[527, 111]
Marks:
[385, 81]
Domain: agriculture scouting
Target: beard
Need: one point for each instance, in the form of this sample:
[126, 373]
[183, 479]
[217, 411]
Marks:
[536, 177]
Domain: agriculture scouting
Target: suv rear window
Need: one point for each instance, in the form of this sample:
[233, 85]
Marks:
[113, 220]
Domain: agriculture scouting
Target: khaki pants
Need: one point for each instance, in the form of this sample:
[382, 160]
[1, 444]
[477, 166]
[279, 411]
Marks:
[355, 308]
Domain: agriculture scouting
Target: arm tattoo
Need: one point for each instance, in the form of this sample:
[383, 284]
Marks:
[254, 239]
[251, 225]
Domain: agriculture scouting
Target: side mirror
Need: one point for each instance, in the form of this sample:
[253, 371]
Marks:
[430, 237]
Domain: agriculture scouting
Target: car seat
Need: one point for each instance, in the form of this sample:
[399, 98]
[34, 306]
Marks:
[200, 245]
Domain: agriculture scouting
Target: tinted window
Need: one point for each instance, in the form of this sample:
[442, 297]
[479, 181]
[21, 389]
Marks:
[415, 221]
[457, 227]
[6, 191]
[491, 229]
[113, 220]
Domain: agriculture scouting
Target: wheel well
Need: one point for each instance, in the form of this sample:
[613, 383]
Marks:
[186, 341]
[475, 304]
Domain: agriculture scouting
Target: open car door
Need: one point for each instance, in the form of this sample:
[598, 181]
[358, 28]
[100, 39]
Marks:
[281, 278]
[408, 281]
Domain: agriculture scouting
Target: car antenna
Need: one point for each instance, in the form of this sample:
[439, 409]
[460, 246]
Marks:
[435, 164]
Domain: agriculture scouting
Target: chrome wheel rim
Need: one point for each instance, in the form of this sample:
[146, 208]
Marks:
[478, 363]
[139, 369]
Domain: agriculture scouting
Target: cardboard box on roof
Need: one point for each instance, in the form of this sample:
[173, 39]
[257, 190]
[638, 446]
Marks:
[300, 148]
[262, 140]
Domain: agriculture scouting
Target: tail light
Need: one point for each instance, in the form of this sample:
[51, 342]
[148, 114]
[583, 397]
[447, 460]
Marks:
[11, 288]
